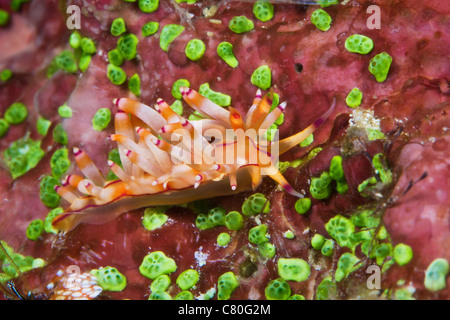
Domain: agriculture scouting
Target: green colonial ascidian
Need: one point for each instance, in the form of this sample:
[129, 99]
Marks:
[327, 248]
[258, 234]
[321, 186]
[347, 263]
[241, 24]
[317, 241]
[218, 98]
[187, 279]
[195, 49]
[65, 111]
[48, 227]
[380, 65]
[127, 45]
[354, 98]
[134, 84]
[184, 295]
[75, 40]
[116, 74]
[154, 217]
[177, 85]
[177, 107]
[226, 284]
[293, 269]
[150, 28]
[277, 289]
[263, 10]
[101, 119]
[223, 239]
[168, 34]
[42, 125]
[234, 221]
[267, 250]
[358, 43]
[262, 77]
[47, 193]
[402, 254]
[118, 27]
[159, 295]
[60, 162]
[59, 134]
[435, 275]
[110, 279]
[255, 204]
[35, 229]
[148, 6]
[22, 156]
[321, 19]
[156, 264]
[64, 61]
[5, 75]
[84, 61]
[88, 46]
[4, 126]
[340, 229]
[225, 51]
[115, 57]
[302, 205]
[161, 283]
[16, 113]
[4, 18]
[214, 218]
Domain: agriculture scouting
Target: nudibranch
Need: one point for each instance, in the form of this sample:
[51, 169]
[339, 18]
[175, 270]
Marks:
[168, 160]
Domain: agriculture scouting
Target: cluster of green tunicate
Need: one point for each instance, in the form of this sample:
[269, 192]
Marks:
[59, 134]
[4, 17]
[234, 220]
[354, 98]
[277, 289]
[358, 43]
[340, 228]
[327, 248]
[115, 57]
[195, 49]
[218, 98]
[435, 275]
[267, 250]
[87, 45]
[187, 279]
[127, 46]
[293, 269]
[134, 84]
[150, 28]
[402, 254]
[64, 61]
[308, 141]
[4, 127]
[177, 85]
[161, 283]
[223, 239]
[337, 174]
[240, 24]
[184, 295]
[262, 77]
[225, 51]
[65, 111]
[156, 264]
[118, 27]
[35, 229]
[101, 119]
[168, 34]
[47, 193]
[321, 19]
[258, 234]
[177, 107]
[321, 186]
[214, 218]
[226, 284]
[326, 290]
[263, 10]
[379, 66]
[154, 217]
[5, 75]
[75, 40]
[148, 6]
[60, 162]
[12, 263]
[302, 205]
[116, 74]
[22, 156]
[48, 227]
[347, 263]
[16, 113]
[110, 279]
[255, 204]
[317, 241]
[42, 125]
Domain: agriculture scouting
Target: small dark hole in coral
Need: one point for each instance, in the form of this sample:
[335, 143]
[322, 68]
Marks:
[298, 67]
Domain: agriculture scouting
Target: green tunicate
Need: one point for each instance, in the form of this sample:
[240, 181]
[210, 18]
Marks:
[116, 74]
[379, 66]
[302, 205]
[16, 113]
[402, 254]
[226, 284]
[85, 61]
[184, 295]
[234, 220]
[359, 218]
[168, 34]
[159, 295]
[127, 46]
[59, 134]
[293, 269]
[177, 85]
[118, 27]
[435, 275]
[22, 156]
[60, 162]
[4, 126]
[35, 229]
[4, 17]
[328, 248]
[150, 28]
[309, 139]
[66, 61]
[277, 289]
[340, 228]
[321, 19]
[223, 239]
[148, 6]
[255, 204]
[114, 156]
[65, 111]
[326, 290]
[47, 194]
[216, 216]
[267, 250]
[154, 217]
[5, 75]
[341, 186]
[225, 51]
[177, 107]
[363, 185]
[88, 46]
[320, 186]
[218, 98]
[161, 283]
[327, 3]
[336, 169]
[280, 120]
[134, 84]
[42, 125]
[48, 227]
[374, 134]
[187, 279]
[296, 297]
[75, 40]
[115, 57]
[257, 235]
[347, 263]
[263, 10]
[358, 43]
[196, 116]
[156, 264]
[110, 279]
[262, 77]
[380, 165]
[271, 132]
[354, 98]
[317, 241]
[101, 119]
[195, 49]
[240, 24]
[382, 251]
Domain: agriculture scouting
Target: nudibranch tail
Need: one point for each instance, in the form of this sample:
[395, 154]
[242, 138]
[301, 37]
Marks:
[157, 168]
